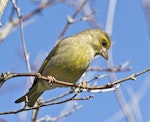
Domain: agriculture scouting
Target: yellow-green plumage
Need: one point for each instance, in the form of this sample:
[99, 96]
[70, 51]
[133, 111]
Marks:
[69, 60]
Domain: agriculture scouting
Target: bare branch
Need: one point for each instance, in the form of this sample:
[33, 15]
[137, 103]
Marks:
[72, 19]
[26, 55]
[42, 105]
[114, 69]
[131, 77]
[96, 77]
[121, 68]
[61, 116]
[13, 23]
[7, 75]
[59, 97]
[3, 4]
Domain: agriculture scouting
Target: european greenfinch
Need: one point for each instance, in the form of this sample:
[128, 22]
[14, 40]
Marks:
[68, 60]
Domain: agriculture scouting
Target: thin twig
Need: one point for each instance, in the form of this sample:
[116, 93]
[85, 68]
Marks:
[61, 116]
[26, 54]
[135, 103]
[59, 97]
[91, 19]
[96, 77]
[42, 105]
[113, 69]
[131, 77]
[22, 37]
[72, 18]
[121, 68]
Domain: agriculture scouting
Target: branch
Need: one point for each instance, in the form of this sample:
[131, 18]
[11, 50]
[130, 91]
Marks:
[26, 54]
[70, 20]
[42, 105]
[121, 68]
[7, 29]
[59, 97]
[114, 69]
[7, 75]
[3, 4]
[61, 116]
[131, 77]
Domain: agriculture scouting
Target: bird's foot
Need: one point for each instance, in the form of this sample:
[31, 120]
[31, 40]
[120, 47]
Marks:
[51, 80]
[82, 86]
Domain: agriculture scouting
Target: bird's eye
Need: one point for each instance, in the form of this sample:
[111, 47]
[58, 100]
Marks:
[104, 44]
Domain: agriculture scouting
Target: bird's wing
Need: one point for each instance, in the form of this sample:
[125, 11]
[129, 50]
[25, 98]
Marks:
[48, 58]
[51, 54]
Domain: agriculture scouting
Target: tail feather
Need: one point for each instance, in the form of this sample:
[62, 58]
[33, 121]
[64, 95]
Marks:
[21, 99]
[32, 95]
[31, 98]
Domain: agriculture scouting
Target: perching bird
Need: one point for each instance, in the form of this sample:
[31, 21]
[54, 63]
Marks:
[68, 60]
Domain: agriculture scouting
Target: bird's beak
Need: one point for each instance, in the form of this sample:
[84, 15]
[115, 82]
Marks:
[104, 53]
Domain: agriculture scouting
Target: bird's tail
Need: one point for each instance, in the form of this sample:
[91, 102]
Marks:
[31, 96]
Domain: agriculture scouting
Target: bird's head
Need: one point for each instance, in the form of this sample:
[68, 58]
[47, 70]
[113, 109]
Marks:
[100, 42]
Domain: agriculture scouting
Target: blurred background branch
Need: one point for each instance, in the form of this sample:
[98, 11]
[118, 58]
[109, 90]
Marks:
[3, 4]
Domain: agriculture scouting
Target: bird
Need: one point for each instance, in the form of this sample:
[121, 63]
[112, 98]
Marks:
[68, 60]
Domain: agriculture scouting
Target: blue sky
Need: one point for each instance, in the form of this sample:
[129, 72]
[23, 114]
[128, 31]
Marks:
[131, 42]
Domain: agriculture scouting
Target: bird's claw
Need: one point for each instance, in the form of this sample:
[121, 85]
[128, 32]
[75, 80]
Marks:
[82, 86]
[51, 80]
